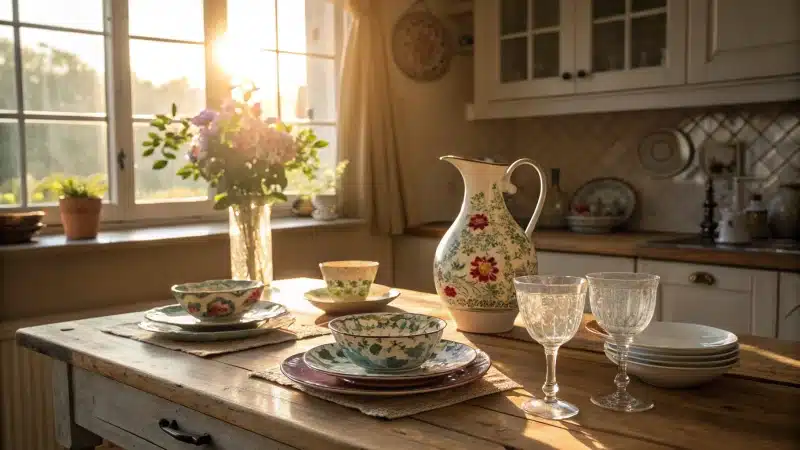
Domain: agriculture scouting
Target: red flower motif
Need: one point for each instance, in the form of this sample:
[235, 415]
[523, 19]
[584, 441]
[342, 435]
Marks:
[194, 307]
[217, 309]
[254, 297]
[484, 269]
[450, 291]
[478, 221]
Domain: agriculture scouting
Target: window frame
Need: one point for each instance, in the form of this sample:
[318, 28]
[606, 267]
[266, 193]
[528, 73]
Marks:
[121, 206]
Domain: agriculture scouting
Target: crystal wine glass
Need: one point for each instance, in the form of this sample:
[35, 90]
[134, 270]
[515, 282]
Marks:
[623, 304]
[552, 308]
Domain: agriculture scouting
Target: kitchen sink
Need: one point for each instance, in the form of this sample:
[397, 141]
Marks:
[788, 246]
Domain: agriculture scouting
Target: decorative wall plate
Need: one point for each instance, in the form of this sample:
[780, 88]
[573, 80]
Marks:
[665, 153]
[421, 45]
[447, 357]
[296, 370]
[612, 192]
[176, 315]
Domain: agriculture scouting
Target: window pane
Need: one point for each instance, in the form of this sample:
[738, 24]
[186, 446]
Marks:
[173, 19]
[82, 14]
[164, 73]
[5, 10]
[513, 62]
[546, 55]
[648, 41]
[608, 46]
[8, 81]
[10, 193]
[641, 5]
[263, 72]
[545, 13]
[62, 148]
[328, 155]
[160, 185]
[513, 16]
[63, 72]
[606, 8]
[311, 29]
[308, 88]
[253, 20]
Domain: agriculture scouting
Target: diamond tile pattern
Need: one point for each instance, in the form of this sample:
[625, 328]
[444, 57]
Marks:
[588, 146]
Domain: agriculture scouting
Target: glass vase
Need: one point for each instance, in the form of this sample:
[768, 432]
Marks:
[251, 243]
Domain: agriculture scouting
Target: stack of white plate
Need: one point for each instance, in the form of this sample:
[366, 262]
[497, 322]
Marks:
[677, 355]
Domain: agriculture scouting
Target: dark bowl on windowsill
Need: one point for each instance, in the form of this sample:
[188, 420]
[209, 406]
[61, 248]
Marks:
[20, 219]
[19, 234]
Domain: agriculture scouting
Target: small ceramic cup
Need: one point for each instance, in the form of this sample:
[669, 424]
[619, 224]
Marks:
[349, 281]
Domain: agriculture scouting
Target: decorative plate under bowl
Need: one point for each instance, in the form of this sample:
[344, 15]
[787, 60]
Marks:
[610, 192]
[447, 357]
[379, 296]
[296, 370]
[176, 333]
[176, 315]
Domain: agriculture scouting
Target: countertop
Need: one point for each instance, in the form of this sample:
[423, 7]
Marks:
[645, 244]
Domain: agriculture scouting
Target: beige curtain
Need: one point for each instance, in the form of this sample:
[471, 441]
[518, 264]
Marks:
[366, 135]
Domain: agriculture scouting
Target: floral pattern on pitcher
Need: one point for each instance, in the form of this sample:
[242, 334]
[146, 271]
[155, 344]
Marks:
[478, 265]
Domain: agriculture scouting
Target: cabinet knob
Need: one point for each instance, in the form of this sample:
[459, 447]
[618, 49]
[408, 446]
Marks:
[702, 278]
[583, 74]
[566, 76]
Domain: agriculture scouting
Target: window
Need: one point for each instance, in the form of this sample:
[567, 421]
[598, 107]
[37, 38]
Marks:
[77, 90]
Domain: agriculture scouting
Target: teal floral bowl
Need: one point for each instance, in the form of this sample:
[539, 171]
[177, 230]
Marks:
[217, 300]
[387, 342]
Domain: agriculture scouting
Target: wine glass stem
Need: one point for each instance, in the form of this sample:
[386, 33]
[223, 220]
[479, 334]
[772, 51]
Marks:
[550, 387]
[622, 379]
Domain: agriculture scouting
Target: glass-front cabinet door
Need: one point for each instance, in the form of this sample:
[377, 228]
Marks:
[629, 44]
[528, 47]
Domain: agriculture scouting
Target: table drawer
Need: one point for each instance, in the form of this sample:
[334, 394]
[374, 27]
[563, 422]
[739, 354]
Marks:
[129, 418]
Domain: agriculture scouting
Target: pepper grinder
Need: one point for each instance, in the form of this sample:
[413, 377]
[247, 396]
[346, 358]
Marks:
[708, 228]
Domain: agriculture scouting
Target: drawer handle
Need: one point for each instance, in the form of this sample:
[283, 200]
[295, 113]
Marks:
[171, 428]
[702, 278]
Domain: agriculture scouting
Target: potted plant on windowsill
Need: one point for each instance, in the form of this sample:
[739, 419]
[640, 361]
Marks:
[80, 202]
[317, 196]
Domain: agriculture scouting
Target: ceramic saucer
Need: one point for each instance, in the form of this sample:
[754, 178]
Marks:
[447, 357]
[296, 370]
[379, 296]
[176, 315]
[176, 333]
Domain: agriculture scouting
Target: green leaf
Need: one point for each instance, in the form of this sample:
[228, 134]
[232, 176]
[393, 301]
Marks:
[174, 110]
[168, 155]
[148, 151]
[160, 164]
[320, 144]
[222, 201]
[375, 348]
[153, 135]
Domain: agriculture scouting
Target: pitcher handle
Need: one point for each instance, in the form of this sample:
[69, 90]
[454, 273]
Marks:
[542, 192]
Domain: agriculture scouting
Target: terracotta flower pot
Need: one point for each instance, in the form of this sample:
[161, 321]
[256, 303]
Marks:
[80, 216]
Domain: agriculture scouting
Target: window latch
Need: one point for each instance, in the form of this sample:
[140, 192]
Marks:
[121, 159]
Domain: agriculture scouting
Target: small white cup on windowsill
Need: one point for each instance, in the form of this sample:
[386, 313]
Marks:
[324, 207]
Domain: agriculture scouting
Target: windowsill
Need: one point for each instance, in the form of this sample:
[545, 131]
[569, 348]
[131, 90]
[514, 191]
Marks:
[145, 236]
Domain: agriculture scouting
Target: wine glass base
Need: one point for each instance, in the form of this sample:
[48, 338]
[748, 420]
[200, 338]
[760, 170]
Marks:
[556, 410]
[622, 403]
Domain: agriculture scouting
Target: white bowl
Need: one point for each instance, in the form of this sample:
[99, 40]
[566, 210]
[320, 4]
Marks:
[673, 377]
[668, 358]
[673, 338]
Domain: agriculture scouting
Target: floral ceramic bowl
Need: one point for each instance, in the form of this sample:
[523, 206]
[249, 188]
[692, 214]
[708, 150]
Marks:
[218, 299]
[387, 342]
[349, 281]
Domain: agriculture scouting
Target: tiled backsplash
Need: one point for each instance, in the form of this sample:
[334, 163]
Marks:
[588, 146]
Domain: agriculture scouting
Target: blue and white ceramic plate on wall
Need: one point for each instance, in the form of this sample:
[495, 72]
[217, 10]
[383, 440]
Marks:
[176, 315]
[176, 333]
[447, 357]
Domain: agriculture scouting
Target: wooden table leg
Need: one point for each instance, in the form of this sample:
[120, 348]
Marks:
[68, 434]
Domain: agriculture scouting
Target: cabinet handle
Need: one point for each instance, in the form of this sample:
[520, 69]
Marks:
[582, 73]
[566, 76]
[702, 278]
[171, 428]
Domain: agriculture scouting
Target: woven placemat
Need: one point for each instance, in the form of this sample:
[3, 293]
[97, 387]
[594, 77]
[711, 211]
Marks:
[205, 349]
[395, 407]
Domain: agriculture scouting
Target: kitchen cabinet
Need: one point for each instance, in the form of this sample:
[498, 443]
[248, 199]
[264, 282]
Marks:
[578, 265]
[542, 48]
[789, 299]
[739, 39]
[738, 300]
[549, 57]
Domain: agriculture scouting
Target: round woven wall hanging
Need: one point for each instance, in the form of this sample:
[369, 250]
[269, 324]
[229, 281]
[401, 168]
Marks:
[421, 44]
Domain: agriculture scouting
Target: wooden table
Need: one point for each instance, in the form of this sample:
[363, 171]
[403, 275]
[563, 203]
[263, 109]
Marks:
[118, 389]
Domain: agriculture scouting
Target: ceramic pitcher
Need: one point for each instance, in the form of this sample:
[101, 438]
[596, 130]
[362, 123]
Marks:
[484, 249]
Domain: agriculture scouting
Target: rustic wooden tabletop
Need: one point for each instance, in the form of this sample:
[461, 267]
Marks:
[755, 406]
